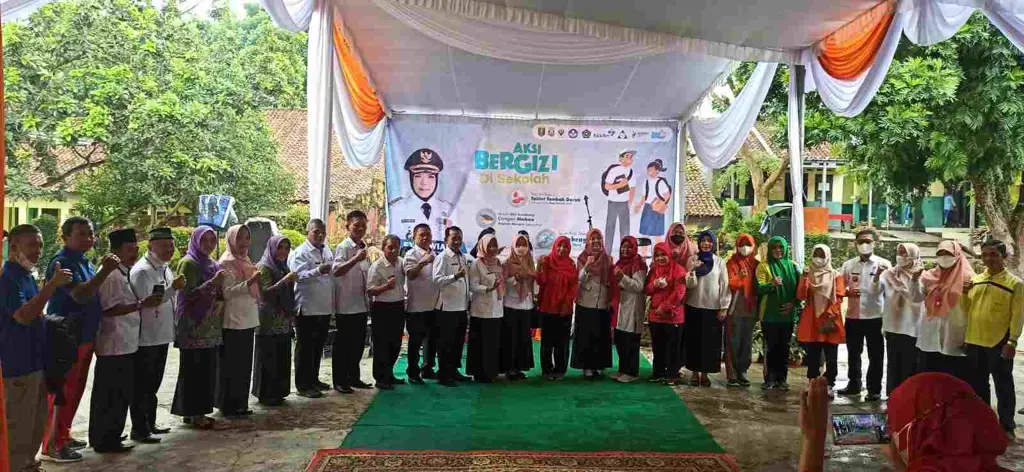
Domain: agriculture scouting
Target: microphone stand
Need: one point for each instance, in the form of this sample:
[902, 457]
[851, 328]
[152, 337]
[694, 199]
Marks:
[590, 220]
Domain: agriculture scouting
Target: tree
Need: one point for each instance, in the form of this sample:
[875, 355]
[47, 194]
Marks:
[760, 169]
[153, 107]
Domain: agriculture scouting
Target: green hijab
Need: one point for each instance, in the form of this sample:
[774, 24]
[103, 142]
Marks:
[783, 268]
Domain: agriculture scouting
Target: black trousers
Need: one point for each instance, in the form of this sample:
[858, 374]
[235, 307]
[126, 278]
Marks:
[989, 361]
[936, 362]
[814, 352]
[554, 343]
[902, 353]
[418, 325]
[197, 378]
[665, 341]
[516, 344]
[483, 355]
[112, 391]
[310, 336]
[451, 341]
[388, 320]
[431, 344]
[776, 346]
[349, 344]
[859, 332]
[234, 370]
[149, 373]
[627, 345]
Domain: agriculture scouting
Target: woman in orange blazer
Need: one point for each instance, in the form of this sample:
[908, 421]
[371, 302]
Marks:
[821, 329]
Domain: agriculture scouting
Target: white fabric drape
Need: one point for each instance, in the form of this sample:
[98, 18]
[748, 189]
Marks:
[795, 119]
[320, 102]
[931, 22]
[520, 34]
[292, 15]
[361, 146]
[717, 140]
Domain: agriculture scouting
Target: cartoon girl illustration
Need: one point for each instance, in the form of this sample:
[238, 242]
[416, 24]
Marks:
[657, 193]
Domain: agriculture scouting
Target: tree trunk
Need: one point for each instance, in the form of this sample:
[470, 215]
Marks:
[1003, 221]
[918, 224]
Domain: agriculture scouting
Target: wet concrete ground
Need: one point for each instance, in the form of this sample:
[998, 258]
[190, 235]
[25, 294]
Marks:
[759, 428]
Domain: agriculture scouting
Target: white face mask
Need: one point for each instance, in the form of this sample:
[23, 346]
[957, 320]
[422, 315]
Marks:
[819, 262]
[522, 250]
[865, 248]
[904, 261]
[745, 250]
[24, 262]
[946, 261]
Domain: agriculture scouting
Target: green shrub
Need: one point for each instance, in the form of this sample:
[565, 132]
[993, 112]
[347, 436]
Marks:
[294, 219]
[734, 224]
[296, 238]
[48, 226]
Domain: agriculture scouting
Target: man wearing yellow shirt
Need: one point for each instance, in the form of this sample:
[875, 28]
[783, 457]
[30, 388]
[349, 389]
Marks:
[994, 319]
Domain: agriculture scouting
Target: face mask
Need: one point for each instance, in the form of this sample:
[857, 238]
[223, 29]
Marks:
[24, 262]
[904, 261]
[946, 261]
[865, 248]
[819, 262]
[746, 250]
[676, 239]
[522, 250]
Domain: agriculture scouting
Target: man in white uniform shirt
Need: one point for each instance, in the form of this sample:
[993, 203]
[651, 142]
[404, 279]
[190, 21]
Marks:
[864, 316]
[449, 272]
[619, 185]
[116, 343]
[314, 297]
[352, 307]
[151, 276]
[421, 297]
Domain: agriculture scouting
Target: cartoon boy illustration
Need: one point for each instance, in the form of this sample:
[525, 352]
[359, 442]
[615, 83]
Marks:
[619, 185]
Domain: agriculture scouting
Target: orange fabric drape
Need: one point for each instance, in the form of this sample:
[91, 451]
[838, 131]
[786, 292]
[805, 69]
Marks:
[849, 51]
[362, 93]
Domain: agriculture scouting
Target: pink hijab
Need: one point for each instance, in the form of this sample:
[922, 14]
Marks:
[944, 287]
[236, 261]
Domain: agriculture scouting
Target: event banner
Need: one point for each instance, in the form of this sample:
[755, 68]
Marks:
[534, 176]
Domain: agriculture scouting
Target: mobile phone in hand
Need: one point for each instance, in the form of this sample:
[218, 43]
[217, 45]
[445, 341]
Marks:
[860, 428]
[158, 289]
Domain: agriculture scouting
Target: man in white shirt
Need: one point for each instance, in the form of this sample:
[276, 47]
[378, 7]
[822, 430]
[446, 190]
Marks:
[864, 316]
[421, 297]
[449, 272]
[352, 308]
[116, 343]
[386, 286]
[619, 185]
[151, 276]
[314, 297]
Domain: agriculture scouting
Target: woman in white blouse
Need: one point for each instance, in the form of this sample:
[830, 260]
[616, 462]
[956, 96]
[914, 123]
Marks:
[241, 317]
[940, 336]
[629, 303]
[901, 315]
[707, 304]
[520, 278]
[385, 285]
[487, 288]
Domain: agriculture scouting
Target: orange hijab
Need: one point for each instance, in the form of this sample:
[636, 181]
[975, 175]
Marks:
[742, 271]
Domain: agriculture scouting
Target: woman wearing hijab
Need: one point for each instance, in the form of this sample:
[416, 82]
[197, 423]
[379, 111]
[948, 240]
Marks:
[821, 322]
[475, 251]
[487, 286]
[901, 315]
[666, 285]
[558, 281]
[198, 333]
[777, 279]
[739, 329]
[272, 368]
[592, 342]
[628, 305]
[940, 336]
[520, 280]
[241, 317]
[679, 244]
[707, 304]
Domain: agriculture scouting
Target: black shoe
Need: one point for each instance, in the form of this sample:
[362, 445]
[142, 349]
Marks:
[113, 448]
[458, 377]
[361, 385]
[381, 386]
[416, 381]
[428, 374]
[849, 391]
[873, 397]
[520, 376]
[311, 393]
[343, 389]
[76, 444]
[155, 430]
[448, 383]
[397, 381]
[323, 386]
[145, 439]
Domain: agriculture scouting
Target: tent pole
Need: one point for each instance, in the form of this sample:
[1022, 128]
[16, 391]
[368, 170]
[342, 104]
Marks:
[679, 212]
[871, 203]
[796, 162]
[320, 99]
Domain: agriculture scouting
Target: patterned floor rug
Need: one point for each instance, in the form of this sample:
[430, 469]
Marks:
[337, 460]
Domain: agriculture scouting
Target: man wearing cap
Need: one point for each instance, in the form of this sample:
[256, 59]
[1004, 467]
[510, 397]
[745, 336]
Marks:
[424, 206]
[619, 185]
[151, 276]
[116, 343]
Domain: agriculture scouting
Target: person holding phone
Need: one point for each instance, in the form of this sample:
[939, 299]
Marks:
[271, 370]
[739, 328]
[385, 285]
[558, 281]
[941, 335]
[666, 285]
[592, 343]
[487, 289]
[777, 280]
[821, 328]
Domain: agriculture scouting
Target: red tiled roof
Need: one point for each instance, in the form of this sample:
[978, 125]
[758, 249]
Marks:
[67, 160]
[288, 127]
[821, 152]
[699, 199]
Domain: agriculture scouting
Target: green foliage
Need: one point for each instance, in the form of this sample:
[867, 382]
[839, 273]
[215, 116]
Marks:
[740, 170]
[155, 101]
[295, 218]
[294, 237]
[48, 226]
[734, 224]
